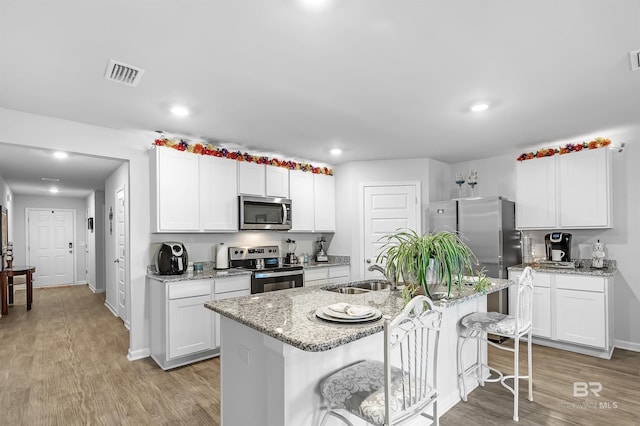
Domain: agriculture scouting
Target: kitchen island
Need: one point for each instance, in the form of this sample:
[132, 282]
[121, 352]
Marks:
[274, 351]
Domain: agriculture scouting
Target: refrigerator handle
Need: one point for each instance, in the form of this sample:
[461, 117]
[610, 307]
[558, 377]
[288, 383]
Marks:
[500, 267]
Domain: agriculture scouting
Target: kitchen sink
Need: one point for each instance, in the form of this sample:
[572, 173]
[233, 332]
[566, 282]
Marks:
[359, 287]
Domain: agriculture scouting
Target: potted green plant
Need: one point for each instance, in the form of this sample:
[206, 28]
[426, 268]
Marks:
[426, 261]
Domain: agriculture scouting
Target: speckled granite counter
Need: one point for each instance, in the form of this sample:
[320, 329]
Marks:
[583, 267]
[207, 273]
[333, 261]
[288, 315]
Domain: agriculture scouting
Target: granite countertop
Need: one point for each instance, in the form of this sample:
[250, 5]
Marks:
[205, 274]
[289, 315]
[583, 267]
[333, 261]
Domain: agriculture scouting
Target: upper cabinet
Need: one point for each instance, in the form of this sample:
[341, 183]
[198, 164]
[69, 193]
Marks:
[192, 193]
[565, 191]
[263, 180]
[312, 202]
[324, 197]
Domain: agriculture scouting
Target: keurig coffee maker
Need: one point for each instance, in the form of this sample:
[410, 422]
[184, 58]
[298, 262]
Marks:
[558, 246]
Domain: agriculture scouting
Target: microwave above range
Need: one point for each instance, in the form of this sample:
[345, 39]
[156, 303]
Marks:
[264, 213]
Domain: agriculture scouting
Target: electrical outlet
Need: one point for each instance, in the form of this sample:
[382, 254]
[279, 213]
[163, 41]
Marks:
[634, 57]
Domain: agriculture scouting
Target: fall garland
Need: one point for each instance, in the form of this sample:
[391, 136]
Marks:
[568, 148]
[208, 149]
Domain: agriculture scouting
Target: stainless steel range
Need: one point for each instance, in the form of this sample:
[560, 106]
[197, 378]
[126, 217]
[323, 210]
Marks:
[269, 273]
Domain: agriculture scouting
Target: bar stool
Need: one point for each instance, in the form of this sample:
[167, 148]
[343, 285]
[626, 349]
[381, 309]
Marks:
[404, 385]
[478, 324]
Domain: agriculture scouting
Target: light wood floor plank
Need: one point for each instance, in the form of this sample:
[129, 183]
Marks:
[64, 363]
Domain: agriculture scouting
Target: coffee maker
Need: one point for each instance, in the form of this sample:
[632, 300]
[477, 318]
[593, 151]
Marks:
[558, 246]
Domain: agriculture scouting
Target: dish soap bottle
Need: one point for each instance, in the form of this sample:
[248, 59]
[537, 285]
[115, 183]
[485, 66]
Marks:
[222, 257]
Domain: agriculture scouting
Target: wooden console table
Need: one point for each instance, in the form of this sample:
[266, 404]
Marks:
[6, 280]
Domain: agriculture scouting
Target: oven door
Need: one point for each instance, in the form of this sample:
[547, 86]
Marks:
[264, 281]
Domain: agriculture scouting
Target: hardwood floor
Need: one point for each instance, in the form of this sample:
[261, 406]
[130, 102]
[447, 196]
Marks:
[64, 363]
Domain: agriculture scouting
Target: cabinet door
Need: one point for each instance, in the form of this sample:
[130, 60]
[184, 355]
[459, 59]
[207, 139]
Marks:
[316, 276]
[177, 187]
[541, 325]
[302, 200]
[584, 189]
[536, 193]
[324, 203]
[190, 326]
[222, 296]
[581, 317]
[218, 194]
[251, 178]
[277, 182]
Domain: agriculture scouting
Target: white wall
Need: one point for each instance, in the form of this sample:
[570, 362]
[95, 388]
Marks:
[349, 177]
[51, 133]
[24, 202]
[95, 242]
[496, 176]
[6, 202]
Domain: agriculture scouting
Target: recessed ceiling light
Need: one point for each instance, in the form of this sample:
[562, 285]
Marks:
[315, 4]
[61, 155]
[335, 151]
[179, 111]
[479, 107]
[53, 190]
[50, 179]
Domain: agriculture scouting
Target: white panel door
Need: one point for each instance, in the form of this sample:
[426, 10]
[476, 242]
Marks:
[121, 259]
[387, 208]
[51, 245]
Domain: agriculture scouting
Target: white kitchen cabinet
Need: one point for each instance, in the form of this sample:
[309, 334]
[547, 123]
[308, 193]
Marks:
[324, 196]
[192, 193]
[302, 201]
[227, 288]
[584, 189]
[581, 310]
[181, 328]
[251, 178]
[277, 182]
[541, 315]
[570, 191]
[263, 180]
[175, 190]
[536, 193]
[325, 275]
[218, 194]
[572, 312]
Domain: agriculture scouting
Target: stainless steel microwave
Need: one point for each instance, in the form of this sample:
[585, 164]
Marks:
[264, 213]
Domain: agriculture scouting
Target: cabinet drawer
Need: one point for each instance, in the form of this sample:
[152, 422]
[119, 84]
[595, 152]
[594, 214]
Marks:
[224, 285]
[581, 283]
[183, 289]
[316, 274]
[338, 271]
[232, 294]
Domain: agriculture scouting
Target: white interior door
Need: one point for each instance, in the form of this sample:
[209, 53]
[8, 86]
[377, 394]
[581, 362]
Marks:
[51, 245]
[387, 208]
[121, 260]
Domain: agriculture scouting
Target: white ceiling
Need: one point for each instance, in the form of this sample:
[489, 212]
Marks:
[378, 78]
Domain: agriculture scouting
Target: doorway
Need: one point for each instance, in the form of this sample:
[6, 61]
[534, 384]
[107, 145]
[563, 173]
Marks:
[387, 207]
[51, 246]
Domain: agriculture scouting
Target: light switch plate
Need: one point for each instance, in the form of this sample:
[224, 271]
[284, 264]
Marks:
[634, 57]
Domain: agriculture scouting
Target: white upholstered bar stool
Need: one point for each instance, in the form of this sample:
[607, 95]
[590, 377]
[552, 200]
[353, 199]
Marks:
[478, 324]
[400, 388]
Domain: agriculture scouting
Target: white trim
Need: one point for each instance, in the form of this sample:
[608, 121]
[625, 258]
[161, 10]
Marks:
[110, 308]
[82, 282]
[74, 240]
[629, 346]
[361, 224]
[139, 354]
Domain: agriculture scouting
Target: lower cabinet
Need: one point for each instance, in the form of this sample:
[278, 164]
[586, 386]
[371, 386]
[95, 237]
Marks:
[325, 275]
[572, 312]
[182, 329]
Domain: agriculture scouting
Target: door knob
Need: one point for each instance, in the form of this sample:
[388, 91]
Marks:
[116, 261]
[368, 260]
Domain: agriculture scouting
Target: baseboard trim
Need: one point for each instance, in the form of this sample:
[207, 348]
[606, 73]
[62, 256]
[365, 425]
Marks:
[629, 346]
[110, 308]
[83, 282]
[139, 354]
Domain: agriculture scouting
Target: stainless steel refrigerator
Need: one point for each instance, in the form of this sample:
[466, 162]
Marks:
[488, 226]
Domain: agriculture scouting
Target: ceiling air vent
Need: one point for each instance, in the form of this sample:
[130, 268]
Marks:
[635, 60]
[123, 73]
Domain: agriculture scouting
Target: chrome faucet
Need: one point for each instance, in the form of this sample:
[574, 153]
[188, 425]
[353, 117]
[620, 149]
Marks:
[391, 279]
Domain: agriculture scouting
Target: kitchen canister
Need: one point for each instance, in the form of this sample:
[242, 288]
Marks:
[597, 255]
[222, 257]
